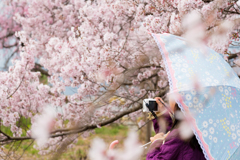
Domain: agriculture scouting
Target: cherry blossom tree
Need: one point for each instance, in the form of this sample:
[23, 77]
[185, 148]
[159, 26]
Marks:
[104, 49]
[8, 42]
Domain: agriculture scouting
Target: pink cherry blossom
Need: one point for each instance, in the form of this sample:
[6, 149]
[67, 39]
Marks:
[42, 126]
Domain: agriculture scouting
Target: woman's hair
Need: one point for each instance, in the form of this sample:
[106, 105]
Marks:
[192, 141]
[175, 120]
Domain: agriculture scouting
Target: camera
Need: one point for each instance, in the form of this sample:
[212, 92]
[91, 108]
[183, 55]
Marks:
[150, 105]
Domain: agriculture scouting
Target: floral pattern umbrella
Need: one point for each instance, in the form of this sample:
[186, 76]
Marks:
[216, 108]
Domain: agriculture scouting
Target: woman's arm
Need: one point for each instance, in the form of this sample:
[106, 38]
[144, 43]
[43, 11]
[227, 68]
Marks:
[163, 123]
[170, 150]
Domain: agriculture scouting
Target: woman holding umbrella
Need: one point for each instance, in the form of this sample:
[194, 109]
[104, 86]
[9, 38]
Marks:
[171, 146]
[208, 93]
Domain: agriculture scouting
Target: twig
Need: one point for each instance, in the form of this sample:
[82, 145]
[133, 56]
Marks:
[16, 89]
[25, 149]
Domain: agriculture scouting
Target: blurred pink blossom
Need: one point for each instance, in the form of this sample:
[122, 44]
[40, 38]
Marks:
[43, 124]
[131, 150]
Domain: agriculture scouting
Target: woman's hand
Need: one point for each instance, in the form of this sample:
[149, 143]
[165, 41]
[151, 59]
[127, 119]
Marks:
[159, 136]
[160, 105]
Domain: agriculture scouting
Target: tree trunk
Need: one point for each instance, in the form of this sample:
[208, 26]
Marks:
[148, 131]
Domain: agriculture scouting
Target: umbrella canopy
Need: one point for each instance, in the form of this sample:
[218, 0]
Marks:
[216, 108]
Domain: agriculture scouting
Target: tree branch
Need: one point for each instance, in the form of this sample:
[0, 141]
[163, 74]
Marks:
[145, 79]
[38, 68]
[5, 134]
[78, 130]
[207, 1]
[231, 12]
[16, 89]
[233, 55]
[86, 127]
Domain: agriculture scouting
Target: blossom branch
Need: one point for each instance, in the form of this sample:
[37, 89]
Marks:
[38, 68]
[233, 55]
[77, 130]
[16, 89]
[84, 128]
[145, 79]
